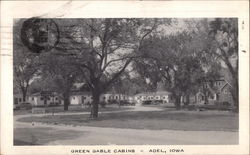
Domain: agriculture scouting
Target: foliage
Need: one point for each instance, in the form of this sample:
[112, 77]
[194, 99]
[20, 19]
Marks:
[26, 64]
[106, 48]
[225, 35]
[167, 59]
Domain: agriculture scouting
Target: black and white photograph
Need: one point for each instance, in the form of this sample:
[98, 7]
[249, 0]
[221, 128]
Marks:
[124, 77]
[125, 81]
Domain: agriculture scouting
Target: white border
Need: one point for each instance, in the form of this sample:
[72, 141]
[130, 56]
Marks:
[87, 9]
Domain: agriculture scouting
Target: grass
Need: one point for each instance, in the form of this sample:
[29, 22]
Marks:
[72, 108]
[153, 120]
[39, 136]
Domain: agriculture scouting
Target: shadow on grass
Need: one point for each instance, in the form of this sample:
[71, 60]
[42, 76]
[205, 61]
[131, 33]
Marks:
[22, 143]
[40, 136]
[152, 120]
[72, 108]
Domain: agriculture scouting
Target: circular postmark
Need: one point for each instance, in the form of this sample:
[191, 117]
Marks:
[40, 35]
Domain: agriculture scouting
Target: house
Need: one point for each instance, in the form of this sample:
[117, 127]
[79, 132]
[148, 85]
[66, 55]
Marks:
[215, 91]
[165, 96]
[86, 97]
[40, 99]
[80, 98]
[18, 98]
[115, 97]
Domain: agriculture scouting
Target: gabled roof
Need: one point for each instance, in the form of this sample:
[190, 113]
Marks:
[80, 93]
[36, 94]
[78, 85]
[225, 86]
[218, 89]
[200, 93]
[39, 94]
[154, 93]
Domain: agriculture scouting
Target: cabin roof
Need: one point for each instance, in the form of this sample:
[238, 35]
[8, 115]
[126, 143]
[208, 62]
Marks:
[154, 93]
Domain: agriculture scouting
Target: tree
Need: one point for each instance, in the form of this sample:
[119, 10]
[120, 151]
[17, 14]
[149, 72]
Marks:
[26, 64]
[171, 60]
[102, 48]
[110, 45]
[61, 73]
[24, 72]
[225, 35]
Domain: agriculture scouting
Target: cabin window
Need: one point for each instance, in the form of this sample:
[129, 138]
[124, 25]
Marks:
[74, 98]
[116, 97]
[32, 98]
[109, 97]
[56, 98]
[41, 98]
[225, 91]
[16, 100]
[104, 97]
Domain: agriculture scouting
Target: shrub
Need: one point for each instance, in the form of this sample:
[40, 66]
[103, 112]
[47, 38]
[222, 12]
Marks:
[53, 104]
[112, 102]
[103, 104]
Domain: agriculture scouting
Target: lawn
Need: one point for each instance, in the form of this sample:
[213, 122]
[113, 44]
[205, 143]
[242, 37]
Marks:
[73, 108]
[39, 136]
[153, 120]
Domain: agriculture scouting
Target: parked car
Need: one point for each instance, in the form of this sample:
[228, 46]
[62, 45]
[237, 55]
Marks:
[16, 107]
[157, 102]
[54, 104]
[126, 102]
[146, 102]
[112, 102]
[24, 105]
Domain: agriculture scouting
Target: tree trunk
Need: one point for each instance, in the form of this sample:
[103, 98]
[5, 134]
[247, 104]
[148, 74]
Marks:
[24, 93]
[95, 103]
[177, 102]
[66, 101]
[187, 100]
[235, 95]
[24, 96]
[206, 98]
[235, 89]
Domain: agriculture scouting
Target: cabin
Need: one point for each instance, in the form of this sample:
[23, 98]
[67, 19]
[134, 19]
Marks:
[18, 98]
[164, 96]
[39, 99]
[215, 91]
[80, 98]
[86, 98]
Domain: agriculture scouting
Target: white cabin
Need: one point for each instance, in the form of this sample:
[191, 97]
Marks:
[165, 96]
[38, 100]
